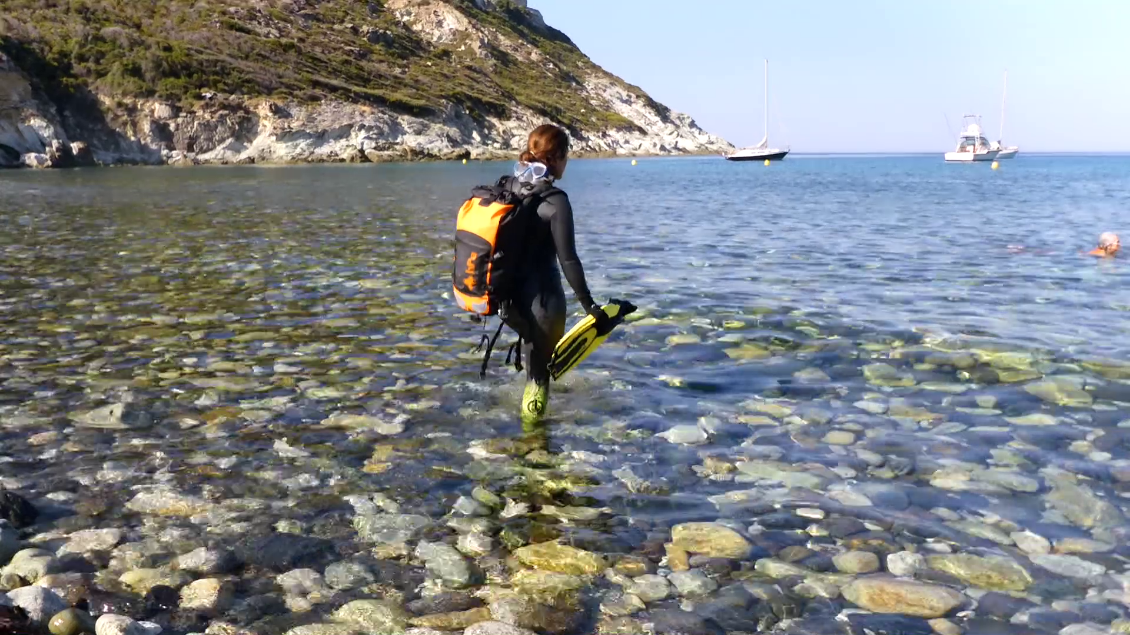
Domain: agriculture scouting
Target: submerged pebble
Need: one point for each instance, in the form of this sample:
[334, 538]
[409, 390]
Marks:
[692, 583]
[890, 595]
[857, 562]
[227, 427]
[1070, 566]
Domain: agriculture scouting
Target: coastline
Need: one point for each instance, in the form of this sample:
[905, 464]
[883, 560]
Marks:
[103, 130]
[408, 157]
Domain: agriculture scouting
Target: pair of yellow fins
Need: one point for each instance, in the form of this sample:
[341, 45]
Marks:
[585, 337]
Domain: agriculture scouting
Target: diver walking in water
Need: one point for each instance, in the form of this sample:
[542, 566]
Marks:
[537, 311]
[509, 241]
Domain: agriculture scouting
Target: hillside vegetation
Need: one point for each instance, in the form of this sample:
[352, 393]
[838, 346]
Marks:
[304, 50]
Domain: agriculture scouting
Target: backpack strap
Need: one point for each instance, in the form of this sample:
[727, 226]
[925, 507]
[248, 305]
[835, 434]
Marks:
[535, 198]
[488, 194]
[516, 350]
[490, 347]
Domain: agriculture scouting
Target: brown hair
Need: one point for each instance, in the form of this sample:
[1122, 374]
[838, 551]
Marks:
[547, 144]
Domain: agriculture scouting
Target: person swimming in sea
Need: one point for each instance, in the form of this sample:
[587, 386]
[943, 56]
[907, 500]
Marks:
[1108, 246]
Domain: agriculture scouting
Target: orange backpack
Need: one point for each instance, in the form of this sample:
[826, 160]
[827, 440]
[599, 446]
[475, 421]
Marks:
[490, 240]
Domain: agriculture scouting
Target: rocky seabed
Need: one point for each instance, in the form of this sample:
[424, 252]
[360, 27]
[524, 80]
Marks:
[827, 567]
[843, 547]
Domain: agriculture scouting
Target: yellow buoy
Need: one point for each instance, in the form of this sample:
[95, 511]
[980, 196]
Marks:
[766, 161]
[464, 161]
[633, 161]
[995, 165]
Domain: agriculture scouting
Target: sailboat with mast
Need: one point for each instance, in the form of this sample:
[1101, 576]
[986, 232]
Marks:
[761, 151]
[1002, 151]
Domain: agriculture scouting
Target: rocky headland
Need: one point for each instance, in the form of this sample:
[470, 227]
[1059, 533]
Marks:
[298, 81]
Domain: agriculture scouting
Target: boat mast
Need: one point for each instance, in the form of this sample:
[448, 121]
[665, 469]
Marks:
[1004, 97]
[766, 103]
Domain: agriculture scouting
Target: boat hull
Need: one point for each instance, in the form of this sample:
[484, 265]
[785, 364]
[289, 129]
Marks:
[970, 157]
[1008, 153]
[768, 156]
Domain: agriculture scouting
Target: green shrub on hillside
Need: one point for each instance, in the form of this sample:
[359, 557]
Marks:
[178, 50]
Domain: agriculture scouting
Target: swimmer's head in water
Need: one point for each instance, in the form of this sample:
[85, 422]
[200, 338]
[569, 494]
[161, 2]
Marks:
[1109, 243]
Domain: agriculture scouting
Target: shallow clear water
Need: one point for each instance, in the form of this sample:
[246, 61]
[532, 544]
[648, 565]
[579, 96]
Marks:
[230, 309]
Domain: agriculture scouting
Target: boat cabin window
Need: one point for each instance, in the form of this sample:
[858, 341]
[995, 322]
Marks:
[971, 144]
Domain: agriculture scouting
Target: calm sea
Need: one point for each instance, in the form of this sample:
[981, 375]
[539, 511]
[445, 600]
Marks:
[916, 336]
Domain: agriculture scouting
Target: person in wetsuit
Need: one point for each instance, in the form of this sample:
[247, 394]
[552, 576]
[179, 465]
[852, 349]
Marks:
[537, 308]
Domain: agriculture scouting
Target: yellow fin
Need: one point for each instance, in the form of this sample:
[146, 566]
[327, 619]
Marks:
[582, 339]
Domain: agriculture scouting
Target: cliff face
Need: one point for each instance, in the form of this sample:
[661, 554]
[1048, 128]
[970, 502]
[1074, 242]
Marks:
[241, 81]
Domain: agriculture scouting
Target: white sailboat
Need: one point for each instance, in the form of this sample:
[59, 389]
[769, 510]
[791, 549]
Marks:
[972, 145]
[1002, 151]
[761, 151]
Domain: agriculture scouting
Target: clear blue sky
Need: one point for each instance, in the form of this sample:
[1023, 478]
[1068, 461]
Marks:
[872, 75]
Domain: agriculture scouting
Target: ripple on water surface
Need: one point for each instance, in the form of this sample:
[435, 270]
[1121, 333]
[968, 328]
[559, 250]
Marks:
[253, 385]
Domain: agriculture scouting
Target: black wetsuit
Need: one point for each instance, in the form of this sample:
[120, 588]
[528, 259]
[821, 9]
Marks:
[537, 311]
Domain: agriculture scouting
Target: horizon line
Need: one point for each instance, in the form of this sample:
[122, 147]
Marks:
[937, 152]
[933, 152]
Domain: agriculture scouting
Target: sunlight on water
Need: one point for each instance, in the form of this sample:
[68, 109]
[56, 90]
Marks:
[836, 354]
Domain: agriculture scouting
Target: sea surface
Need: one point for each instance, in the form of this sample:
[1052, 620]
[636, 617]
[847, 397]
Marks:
[919, 352]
